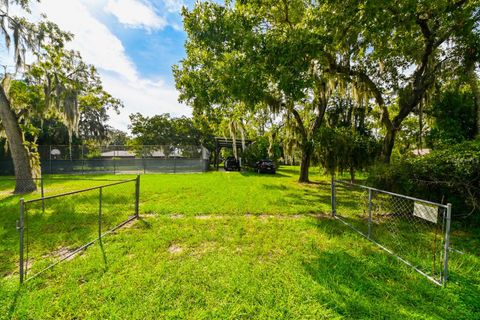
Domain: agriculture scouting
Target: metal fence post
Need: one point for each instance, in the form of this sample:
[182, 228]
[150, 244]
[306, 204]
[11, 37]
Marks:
[447, 243]
[50, 158]
[42, 190]
[114, 160]
[137, 196]
[369, 213]
[83, 160]
[100, 213]
[144, 161]
[334, 207]
[174, 163]
[20, 227]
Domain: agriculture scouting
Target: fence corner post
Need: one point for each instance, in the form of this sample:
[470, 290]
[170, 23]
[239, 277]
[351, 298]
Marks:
[20, 228]
[334, 200]
[100, 199]
[174, 163]
[144, 161]
[447, 243]
[369, 213]
[137, 196]
[43, 194]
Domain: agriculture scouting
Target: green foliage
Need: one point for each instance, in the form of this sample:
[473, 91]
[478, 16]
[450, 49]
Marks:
[94, 150]
[251, 57]
[261, 149]
[454, 113]
[266, 253]
[342, 149]
[165, 130]
[118, 137]
[61, 97]
[450, 174]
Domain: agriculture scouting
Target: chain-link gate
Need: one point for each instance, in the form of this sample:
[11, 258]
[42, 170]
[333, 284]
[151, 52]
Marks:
[55, 228]
[415, 231]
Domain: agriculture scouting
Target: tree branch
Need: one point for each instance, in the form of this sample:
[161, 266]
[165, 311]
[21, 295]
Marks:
[301, 126]
[362, 77]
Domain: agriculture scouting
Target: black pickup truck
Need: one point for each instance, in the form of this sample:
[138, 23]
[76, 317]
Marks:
[232, 164]
[265, 166]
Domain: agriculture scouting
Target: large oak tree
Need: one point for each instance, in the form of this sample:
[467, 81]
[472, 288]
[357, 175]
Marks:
[258, 55]
[57, 85]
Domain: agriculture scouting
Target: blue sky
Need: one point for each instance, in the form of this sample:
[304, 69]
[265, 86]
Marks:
[133, 44]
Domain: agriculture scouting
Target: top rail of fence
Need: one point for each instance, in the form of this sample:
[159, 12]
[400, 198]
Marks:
[123, 146]
[80, 191]
[392, 193]
[69, 178]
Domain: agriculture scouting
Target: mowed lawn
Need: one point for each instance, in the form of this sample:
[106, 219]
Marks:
[229, 245]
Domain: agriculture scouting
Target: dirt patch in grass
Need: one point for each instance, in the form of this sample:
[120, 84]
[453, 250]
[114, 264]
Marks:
[148, 214]
[205, 217]
[130, 223]
[205, 247]
[259, 216]
[321, 216]
[64, 253]
[175, 249]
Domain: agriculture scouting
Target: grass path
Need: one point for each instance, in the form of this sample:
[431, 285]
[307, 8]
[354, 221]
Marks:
[233, 246]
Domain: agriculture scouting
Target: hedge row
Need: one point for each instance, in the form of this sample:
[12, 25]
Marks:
[451, 174]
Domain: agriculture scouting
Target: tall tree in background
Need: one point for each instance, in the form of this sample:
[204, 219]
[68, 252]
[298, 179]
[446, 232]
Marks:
[54, 86]
[93, 107]
[469, 52]
[256, 55]
[395, 50]
[164, 130]
[22, 36]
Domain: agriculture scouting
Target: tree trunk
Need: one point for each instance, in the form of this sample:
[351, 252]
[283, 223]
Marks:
[473, 82]
[21, 162]
[420, 126]
[307, 151]
[388, 143]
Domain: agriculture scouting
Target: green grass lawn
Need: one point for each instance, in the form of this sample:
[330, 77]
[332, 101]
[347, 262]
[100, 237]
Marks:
[223, 245]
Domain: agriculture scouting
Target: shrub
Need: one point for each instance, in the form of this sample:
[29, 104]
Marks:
[261, 149]
[454, 114]
[448, 175]
[340, 150]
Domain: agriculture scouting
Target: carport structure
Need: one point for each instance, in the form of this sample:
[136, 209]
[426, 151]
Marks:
[221, 142]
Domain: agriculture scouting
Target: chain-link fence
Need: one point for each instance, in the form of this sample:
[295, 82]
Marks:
[415, 231]
[55, 228]
[48, 186]
[83, 159]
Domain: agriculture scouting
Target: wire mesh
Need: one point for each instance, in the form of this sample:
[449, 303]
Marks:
[412, 229]
[10, 186]
[123, 159]
[352, 205]
[57, 227]
[47, 186]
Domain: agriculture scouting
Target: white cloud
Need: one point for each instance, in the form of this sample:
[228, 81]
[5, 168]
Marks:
[93, 39]
[145, 96]
[173, 5]
[100, 47]
[135, 14]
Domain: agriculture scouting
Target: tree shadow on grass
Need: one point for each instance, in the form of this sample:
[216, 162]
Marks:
[66, 224]
[305, 196]
[366, 282]
[104, 255]
[13, 303]
[249, 173]
[9, 236]
[291, 170]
